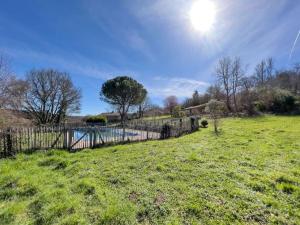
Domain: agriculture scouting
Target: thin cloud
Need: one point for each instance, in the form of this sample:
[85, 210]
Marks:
[138, 43]
[78, 65]
[132, 37]
[180, 87]
[294, 45]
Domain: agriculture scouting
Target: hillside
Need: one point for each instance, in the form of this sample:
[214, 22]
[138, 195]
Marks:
[13, 118]
[249, 174]
[18, 118]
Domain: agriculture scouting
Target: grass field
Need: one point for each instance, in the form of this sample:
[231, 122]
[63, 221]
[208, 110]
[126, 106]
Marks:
[249, 174]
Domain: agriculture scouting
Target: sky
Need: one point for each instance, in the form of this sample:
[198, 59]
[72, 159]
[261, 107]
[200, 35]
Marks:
[152, 41]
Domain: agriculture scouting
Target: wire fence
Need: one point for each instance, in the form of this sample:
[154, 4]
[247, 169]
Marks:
[74, 137]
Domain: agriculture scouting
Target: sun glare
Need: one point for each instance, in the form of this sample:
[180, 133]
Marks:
[202, 15]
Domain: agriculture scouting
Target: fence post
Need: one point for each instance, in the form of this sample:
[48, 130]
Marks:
[95, 138]
[91, 139]
[34, 139]
[65, 144]
[9, 147]
[147, 129]
[180, 126]
[70, 139]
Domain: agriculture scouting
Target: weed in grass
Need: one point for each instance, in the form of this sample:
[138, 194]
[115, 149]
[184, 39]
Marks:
[117, 213]
[283, 179]
[55, 163]
[286, 188]
[193, 210]
[35, 211]
[73, 219]
[6, 218]
[160, 168]
[114, 181]
[150, 212]
[258, 187]
[17, 189]
[193, 157]
[85, 187]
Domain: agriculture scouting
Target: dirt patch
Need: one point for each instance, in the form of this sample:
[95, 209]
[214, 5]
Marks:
[159, 199]
[133, 196]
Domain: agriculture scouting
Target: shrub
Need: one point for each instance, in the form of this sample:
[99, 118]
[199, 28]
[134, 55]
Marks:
[276, 101]
[96, 119]
[260, 106]
[204, 123]
[283, 102]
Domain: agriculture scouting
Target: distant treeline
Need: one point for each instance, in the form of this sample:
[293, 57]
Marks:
[265, 90]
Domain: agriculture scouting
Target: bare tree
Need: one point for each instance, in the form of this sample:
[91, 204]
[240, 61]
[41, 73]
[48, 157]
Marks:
[264, 71]
[144, 106]
[260, 73]
[215, 109]
[223, 73]
[215, 92]
[270, 68]
[51, 96]
[297, 68]
[170, 102]
[11, 89]
[16, 92]
[248, 95]
[5, 78]
[237, 73]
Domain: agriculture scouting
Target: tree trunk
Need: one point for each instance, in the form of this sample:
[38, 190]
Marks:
[216, 126]
[228, 102]
[235, 103]
[140, 111]
[123, 126]
[123, 117]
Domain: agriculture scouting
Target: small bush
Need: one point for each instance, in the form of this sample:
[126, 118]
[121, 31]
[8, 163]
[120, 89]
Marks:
[283, 102]
[260, 106]
[204, 123]
[96, 119]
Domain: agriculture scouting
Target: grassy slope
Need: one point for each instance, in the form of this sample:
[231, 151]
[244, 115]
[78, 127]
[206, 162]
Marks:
[248, 174]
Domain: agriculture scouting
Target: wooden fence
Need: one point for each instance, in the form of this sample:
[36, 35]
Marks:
[75, 137]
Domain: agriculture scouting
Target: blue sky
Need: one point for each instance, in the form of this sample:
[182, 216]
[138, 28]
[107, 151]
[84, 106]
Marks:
[150, 40]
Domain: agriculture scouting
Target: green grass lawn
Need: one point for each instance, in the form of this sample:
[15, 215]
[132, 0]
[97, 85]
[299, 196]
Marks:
[157, 117]
[249, 174]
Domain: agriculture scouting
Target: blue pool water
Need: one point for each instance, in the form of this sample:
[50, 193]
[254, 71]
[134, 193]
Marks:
[107, 132]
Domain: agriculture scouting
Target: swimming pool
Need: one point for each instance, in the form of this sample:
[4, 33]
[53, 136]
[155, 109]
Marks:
[108, 132]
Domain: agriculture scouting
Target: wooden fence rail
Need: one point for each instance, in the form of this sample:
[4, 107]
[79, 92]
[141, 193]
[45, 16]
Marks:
[75, 137]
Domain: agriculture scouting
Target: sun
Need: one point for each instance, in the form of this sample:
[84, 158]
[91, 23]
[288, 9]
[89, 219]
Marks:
[202, 15]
